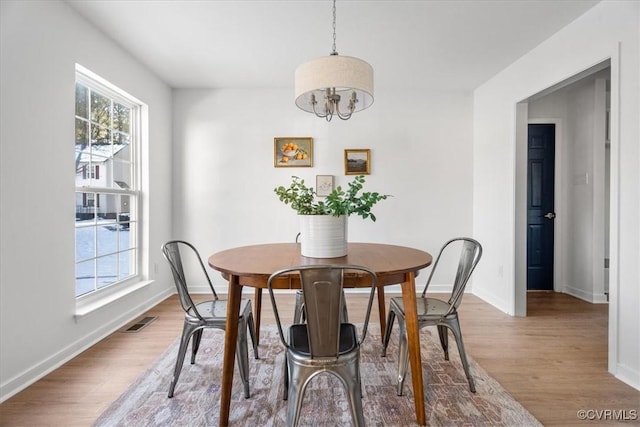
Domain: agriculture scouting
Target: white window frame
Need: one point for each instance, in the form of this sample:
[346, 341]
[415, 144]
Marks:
[98, 297]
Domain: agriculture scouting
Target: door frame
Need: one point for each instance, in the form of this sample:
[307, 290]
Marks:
[520, 232]
[519, 297]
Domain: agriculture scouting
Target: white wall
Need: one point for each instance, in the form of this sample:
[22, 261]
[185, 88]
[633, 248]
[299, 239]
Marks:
[41, 43]
[609, 30]
[224, 175]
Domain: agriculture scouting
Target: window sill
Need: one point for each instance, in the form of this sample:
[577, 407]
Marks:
[86, 307]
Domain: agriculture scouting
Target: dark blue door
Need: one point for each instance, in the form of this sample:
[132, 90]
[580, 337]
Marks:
[540, 209]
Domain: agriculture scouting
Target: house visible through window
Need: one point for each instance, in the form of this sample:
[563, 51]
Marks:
[107, 124]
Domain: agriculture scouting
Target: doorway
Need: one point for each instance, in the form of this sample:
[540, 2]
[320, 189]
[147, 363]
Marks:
[540, 206]
[578, 108]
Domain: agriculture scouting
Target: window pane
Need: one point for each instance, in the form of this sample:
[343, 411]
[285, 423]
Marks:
[121, 117]
[126, 236]
[109, 205]
[85, 207]
[100, 109]
[82, 101]
[120, 138]
[121, 172]
[129, 239]
[100, 135]
[124, 213]
[107, 270]
[107, 232]
[82, 134]
[85, 243]
[85, 277]
[127, 264]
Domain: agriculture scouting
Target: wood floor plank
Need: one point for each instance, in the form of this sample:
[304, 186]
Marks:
[554, 362]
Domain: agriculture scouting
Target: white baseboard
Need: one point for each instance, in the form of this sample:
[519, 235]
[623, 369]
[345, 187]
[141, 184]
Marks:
[26, 378]
[586, 296]
[628, 375]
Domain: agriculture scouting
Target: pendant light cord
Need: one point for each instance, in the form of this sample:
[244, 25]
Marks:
[334, 52]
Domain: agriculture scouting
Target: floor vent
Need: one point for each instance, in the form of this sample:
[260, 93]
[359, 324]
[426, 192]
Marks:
[140, 324]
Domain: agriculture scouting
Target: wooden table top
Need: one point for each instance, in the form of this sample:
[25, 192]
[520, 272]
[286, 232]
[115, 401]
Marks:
[255, 263]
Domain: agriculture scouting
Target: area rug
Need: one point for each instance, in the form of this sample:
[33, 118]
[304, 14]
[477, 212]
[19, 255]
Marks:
[448, 400]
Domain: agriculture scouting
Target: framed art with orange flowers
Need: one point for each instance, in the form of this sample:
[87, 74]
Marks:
[292, 152]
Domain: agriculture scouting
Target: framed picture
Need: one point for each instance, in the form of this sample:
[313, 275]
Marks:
[357, 161]
[324, 185]
[291, 151]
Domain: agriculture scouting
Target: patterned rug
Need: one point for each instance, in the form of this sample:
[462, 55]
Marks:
[197, 396]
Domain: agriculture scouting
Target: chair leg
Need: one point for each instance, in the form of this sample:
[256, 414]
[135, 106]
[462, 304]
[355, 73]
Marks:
[454, 325]
[195, 344]
[242, 354]
[381, 310]
[257, 297]
[443, 333]
[387, 334]
[285, 394]
[253, 334]
[403, 355]
[351, 379]
[187, 331]
[299, 380]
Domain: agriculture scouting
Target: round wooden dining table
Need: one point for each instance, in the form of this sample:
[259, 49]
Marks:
[252, 265]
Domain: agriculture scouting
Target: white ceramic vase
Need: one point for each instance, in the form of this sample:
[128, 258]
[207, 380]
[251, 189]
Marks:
[323, 236]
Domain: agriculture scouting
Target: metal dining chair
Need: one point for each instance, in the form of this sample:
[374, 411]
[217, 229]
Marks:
[324, 343]
[207, 314]
[437, 312]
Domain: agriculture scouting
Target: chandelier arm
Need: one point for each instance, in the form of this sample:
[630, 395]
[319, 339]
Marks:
[352, 107]
[328, 108]
[328, 115]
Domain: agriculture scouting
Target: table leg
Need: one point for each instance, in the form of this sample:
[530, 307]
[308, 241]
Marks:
[413, 338]
[382, 309]
[257, 299]
[230, 340]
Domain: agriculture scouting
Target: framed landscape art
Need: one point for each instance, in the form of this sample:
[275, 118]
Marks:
[357, 161]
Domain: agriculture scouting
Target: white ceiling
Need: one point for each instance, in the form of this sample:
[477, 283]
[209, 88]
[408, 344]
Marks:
[454, 44]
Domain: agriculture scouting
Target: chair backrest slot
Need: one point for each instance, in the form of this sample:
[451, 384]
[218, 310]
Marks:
[322, 294]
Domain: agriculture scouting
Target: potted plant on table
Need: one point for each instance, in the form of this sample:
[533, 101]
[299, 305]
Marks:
[323, 223]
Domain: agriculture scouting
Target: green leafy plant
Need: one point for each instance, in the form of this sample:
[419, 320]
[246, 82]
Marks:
[339, 202]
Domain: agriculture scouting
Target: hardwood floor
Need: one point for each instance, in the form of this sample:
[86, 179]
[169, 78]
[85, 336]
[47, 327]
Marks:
[554, 362]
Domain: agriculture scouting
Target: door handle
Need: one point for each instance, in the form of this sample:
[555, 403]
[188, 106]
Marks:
[550, 215]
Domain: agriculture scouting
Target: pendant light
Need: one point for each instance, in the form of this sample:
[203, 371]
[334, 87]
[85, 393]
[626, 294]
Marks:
[334, 85]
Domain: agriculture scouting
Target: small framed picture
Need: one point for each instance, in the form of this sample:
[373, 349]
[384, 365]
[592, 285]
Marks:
[357, 161]
[291, 151]
[324, 185]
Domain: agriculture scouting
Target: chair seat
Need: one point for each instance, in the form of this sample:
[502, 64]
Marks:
[427, 308]
[217, 309]
[299, 340]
